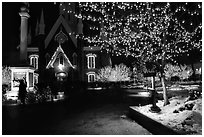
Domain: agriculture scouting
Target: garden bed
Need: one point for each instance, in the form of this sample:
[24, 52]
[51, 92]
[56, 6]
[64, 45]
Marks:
[182, 115]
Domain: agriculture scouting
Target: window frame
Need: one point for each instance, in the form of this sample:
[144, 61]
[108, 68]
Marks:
[61, 59]
[34, 61]
[91, 74]
[91, 61]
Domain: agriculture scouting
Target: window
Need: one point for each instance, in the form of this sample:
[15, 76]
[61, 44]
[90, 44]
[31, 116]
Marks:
[31, 82]
[91, 76]
[34, 61]
[91, 61]
[61, 60]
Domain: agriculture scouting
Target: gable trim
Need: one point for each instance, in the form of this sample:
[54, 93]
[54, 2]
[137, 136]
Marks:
[59, 21]
[54, 56]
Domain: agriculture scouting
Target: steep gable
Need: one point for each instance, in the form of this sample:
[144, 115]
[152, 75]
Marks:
[54, 57]
[60, 21]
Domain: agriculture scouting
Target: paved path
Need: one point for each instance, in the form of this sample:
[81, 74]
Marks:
[58, 118]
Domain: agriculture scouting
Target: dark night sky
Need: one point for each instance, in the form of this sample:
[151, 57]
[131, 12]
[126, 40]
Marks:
[11, 25]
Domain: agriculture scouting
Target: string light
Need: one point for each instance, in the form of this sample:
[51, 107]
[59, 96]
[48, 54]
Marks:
[135, 29]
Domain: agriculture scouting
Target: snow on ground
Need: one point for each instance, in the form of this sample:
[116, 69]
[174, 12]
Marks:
[182, 115]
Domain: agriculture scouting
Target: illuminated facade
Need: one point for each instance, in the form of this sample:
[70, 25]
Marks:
[59, 54]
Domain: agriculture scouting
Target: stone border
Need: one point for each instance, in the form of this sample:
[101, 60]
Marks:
[151, 125]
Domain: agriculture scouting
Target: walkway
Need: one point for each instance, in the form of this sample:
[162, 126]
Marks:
[98, 117]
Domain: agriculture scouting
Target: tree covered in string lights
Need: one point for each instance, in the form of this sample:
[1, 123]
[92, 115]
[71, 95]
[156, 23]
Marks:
[123, 28]
[151, 32]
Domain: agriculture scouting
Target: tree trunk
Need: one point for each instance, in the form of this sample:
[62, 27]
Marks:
[193, 75]
[166, 101]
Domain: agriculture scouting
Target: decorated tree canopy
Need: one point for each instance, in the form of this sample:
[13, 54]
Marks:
[157, 32]
[152, 30]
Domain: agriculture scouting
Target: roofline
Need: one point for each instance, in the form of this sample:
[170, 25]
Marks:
[54, 58]
[59, 21]
[31, 68]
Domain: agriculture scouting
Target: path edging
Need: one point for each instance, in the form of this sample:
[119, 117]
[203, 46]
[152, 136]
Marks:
[151, 125]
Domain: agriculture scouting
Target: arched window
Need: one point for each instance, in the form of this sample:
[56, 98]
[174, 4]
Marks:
[91, 76]
[91, 61]
[61, 60]
[34, 61]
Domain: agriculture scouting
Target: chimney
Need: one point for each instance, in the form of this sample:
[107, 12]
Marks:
[24, 33]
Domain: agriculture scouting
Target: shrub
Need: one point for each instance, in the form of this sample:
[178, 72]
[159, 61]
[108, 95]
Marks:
[176, 73]
[171, 71]
[185, 72]
[104, 73]
[6, 75]
[31, 98]
[6, 79]
[119, 73]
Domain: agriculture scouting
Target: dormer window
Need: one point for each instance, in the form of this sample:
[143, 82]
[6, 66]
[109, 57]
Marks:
[34, 61]
[91, 58]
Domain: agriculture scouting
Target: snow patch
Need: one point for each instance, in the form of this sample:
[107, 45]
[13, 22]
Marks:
[181, 114]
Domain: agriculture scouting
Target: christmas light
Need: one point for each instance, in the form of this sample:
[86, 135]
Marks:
[130, 28]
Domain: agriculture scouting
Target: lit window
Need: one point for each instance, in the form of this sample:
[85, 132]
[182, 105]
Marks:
[31, 82]
[91, 76]
[61, 60]
[91, 60]
[34, 61]
[35, 79]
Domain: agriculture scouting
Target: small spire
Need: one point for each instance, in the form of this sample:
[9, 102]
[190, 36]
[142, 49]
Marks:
[42, 17]
[42, 24]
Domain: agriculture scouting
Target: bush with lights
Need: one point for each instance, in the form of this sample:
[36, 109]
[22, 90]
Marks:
[116, 74]
[177, 72]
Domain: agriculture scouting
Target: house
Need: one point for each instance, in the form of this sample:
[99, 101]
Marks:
[58, 55]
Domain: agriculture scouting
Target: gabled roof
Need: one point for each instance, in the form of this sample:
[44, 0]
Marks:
[59, 21]
[54, 57]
